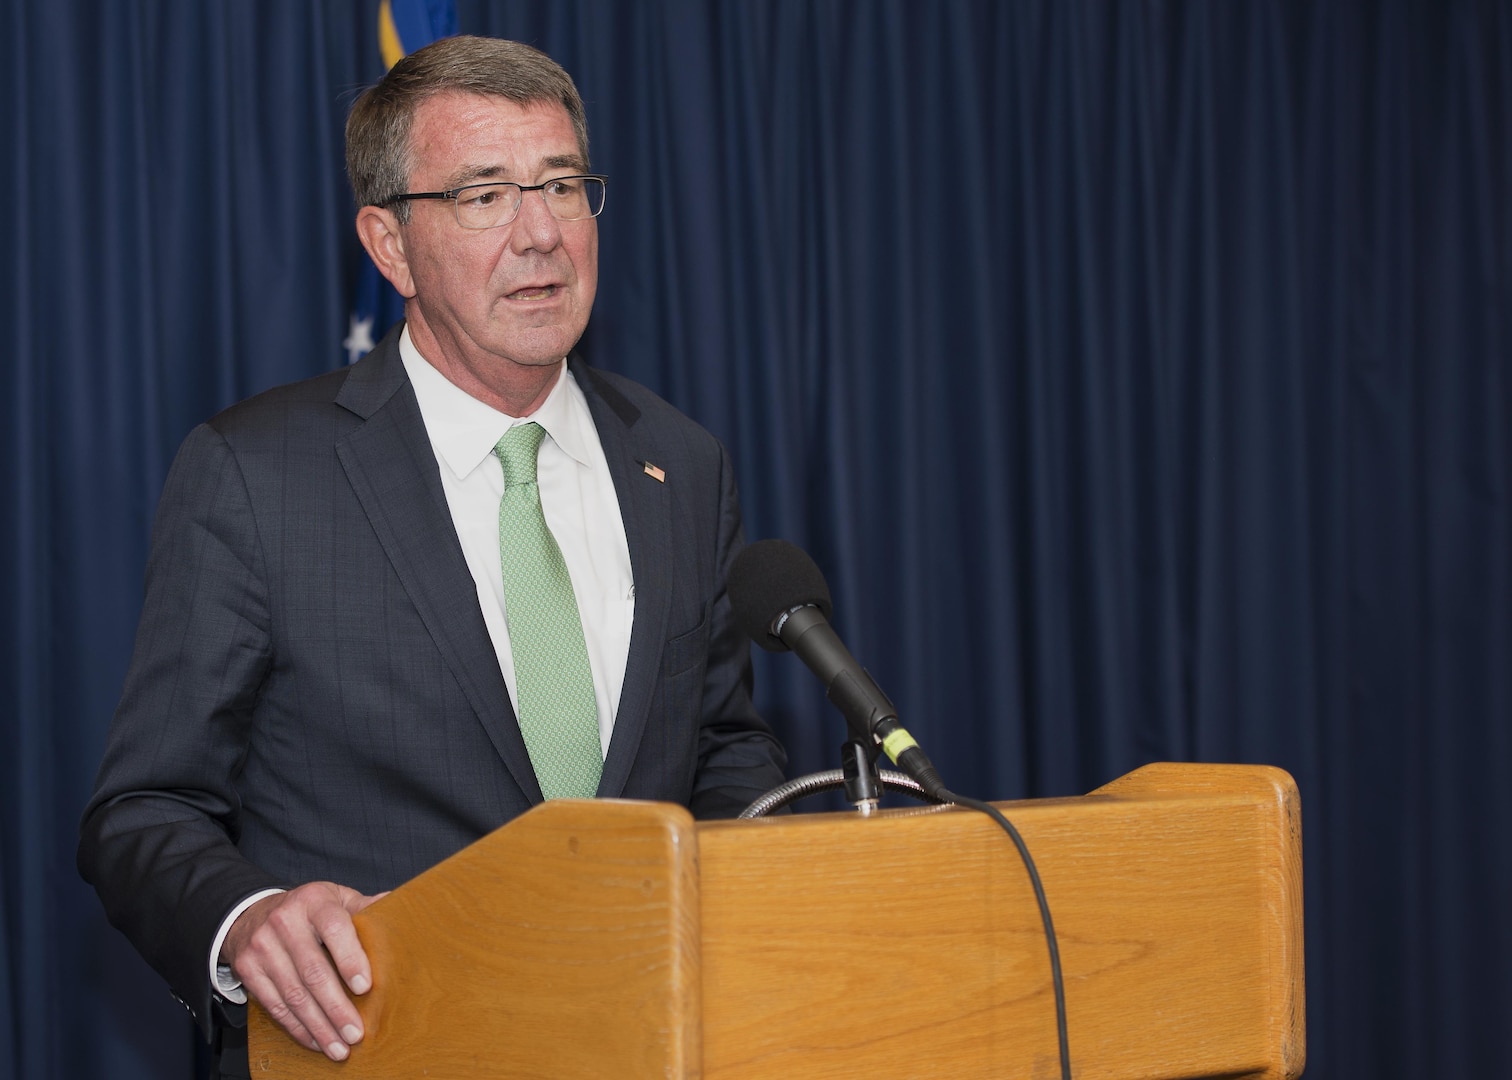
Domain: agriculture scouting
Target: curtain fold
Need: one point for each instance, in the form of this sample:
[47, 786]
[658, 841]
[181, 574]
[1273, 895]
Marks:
[1137, 372]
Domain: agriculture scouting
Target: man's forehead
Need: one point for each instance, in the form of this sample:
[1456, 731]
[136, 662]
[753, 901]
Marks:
[479, 113]
[478, 136]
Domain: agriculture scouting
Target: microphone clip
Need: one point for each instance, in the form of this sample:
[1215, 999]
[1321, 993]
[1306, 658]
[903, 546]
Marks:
[858, 767]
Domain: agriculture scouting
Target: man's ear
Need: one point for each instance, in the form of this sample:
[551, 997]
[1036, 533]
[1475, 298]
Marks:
[378, 229]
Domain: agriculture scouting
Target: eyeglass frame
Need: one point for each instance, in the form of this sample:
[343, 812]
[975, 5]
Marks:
[453, 194]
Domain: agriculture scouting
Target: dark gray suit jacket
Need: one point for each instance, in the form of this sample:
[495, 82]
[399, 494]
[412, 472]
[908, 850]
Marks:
[313, 693]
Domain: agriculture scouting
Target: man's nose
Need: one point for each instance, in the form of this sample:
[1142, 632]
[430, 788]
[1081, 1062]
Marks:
[534, 225]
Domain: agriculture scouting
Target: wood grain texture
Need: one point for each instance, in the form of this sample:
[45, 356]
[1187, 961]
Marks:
[572, 942]
[909, 944]
[566, 940]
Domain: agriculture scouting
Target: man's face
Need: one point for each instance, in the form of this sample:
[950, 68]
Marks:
[487, 304]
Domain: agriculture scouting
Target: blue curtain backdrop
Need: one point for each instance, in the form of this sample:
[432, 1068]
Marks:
[1137, 372]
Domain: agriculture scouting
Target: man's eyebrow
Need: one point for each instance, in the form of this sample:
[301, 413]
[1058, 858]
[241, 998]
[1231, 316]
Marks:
[474, 173]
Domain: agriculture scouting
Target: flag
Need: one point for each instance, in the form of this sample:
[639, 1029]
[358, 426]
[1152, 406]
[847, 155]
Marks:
[403, 26]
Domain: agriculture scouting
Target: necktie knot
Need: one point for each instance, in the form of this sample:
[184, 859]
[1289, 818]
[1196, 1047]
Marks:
[517, 452]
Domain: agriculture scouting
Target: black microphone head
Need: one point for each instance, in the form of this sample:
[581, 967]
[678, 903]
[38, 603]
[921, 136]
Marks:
[771, 577]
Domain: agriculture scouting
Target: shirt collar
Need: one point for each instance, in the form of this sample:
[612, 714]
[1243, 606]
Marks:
[464, 431]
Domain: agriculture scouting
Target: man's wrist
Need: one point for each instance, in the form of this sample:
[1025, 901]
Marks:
[223, 980]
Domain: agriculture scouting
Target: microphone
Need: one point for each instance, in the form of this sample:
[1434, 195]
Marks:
[781, 600]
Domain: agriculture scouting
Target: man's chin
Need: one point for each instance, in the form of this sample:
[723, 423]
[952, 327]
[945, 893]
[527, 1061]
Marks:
[539, 347]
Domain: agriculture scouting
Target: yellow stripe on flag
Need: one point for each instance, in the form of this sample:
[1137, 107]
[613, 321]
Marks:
[388, 36]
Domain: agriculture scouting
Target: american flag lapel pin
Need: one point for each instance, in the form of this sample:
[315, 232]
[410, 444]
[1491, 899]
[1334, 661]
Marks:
[654, 473]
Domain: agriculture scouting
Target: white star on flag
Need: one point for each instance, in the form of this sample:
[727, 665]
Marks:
[359, 340]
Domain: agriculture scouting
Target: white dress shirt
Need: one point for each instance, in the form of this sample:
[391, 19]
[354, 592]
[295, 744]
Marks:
[577, 497]
[581, 509]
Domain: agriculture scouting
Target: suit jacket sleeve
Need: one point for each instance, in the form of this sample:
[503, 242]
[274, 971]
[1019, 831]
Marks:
[158, 837]
[739, 759]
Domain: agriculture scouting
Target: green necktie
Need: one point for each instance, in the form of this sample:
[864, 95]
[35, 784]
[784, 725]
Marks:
[553, 682]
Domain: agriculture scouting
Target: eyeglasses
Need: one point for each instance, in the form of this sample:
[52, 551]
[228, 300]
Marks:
[487, 206]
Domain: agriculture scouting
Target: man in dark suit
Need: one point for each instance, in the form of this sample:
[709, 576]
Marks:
[335, 683]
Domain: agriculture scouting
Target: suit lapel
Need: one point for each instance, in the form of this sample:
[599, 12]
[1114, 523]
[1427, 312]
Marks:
[646, 510]
[392, 469]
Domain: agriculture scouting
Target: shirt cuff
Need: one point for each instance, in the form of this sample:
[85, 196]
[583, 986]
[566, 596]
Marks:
[222, 980]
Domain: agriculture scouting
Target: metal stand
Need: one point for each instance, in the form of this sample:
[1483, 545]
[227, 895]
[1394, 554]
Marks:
[862, 780]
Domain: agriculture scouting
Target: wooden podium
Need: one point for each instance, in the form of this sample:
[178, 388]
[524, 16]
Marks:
[620, 939]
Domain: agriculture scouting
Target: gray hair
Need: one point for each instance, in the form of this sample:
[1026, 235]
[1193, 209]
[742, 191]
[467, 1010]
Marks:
[379, 159]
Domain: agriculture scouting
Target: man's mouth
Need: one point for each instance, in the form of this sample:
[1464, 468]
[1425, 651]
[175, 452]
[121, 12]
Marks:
[533, 292]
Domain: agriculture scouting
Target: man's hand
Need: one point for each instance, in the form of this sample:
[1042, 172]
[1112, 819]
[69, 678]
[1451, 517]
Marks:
[292, 953]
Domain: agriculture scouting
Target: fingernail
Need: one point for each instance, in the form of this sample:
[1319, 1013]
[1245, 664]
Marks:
[351, 1033]
[338, 1051]
[360, 984]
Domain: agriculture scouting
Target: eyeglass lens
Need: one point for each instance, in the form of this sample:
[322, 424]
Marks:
[484, 206]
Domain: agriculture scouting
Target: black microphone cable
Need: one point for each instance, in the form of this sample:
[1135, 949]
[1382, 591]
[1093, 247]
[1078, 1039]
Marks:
[905, 753]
